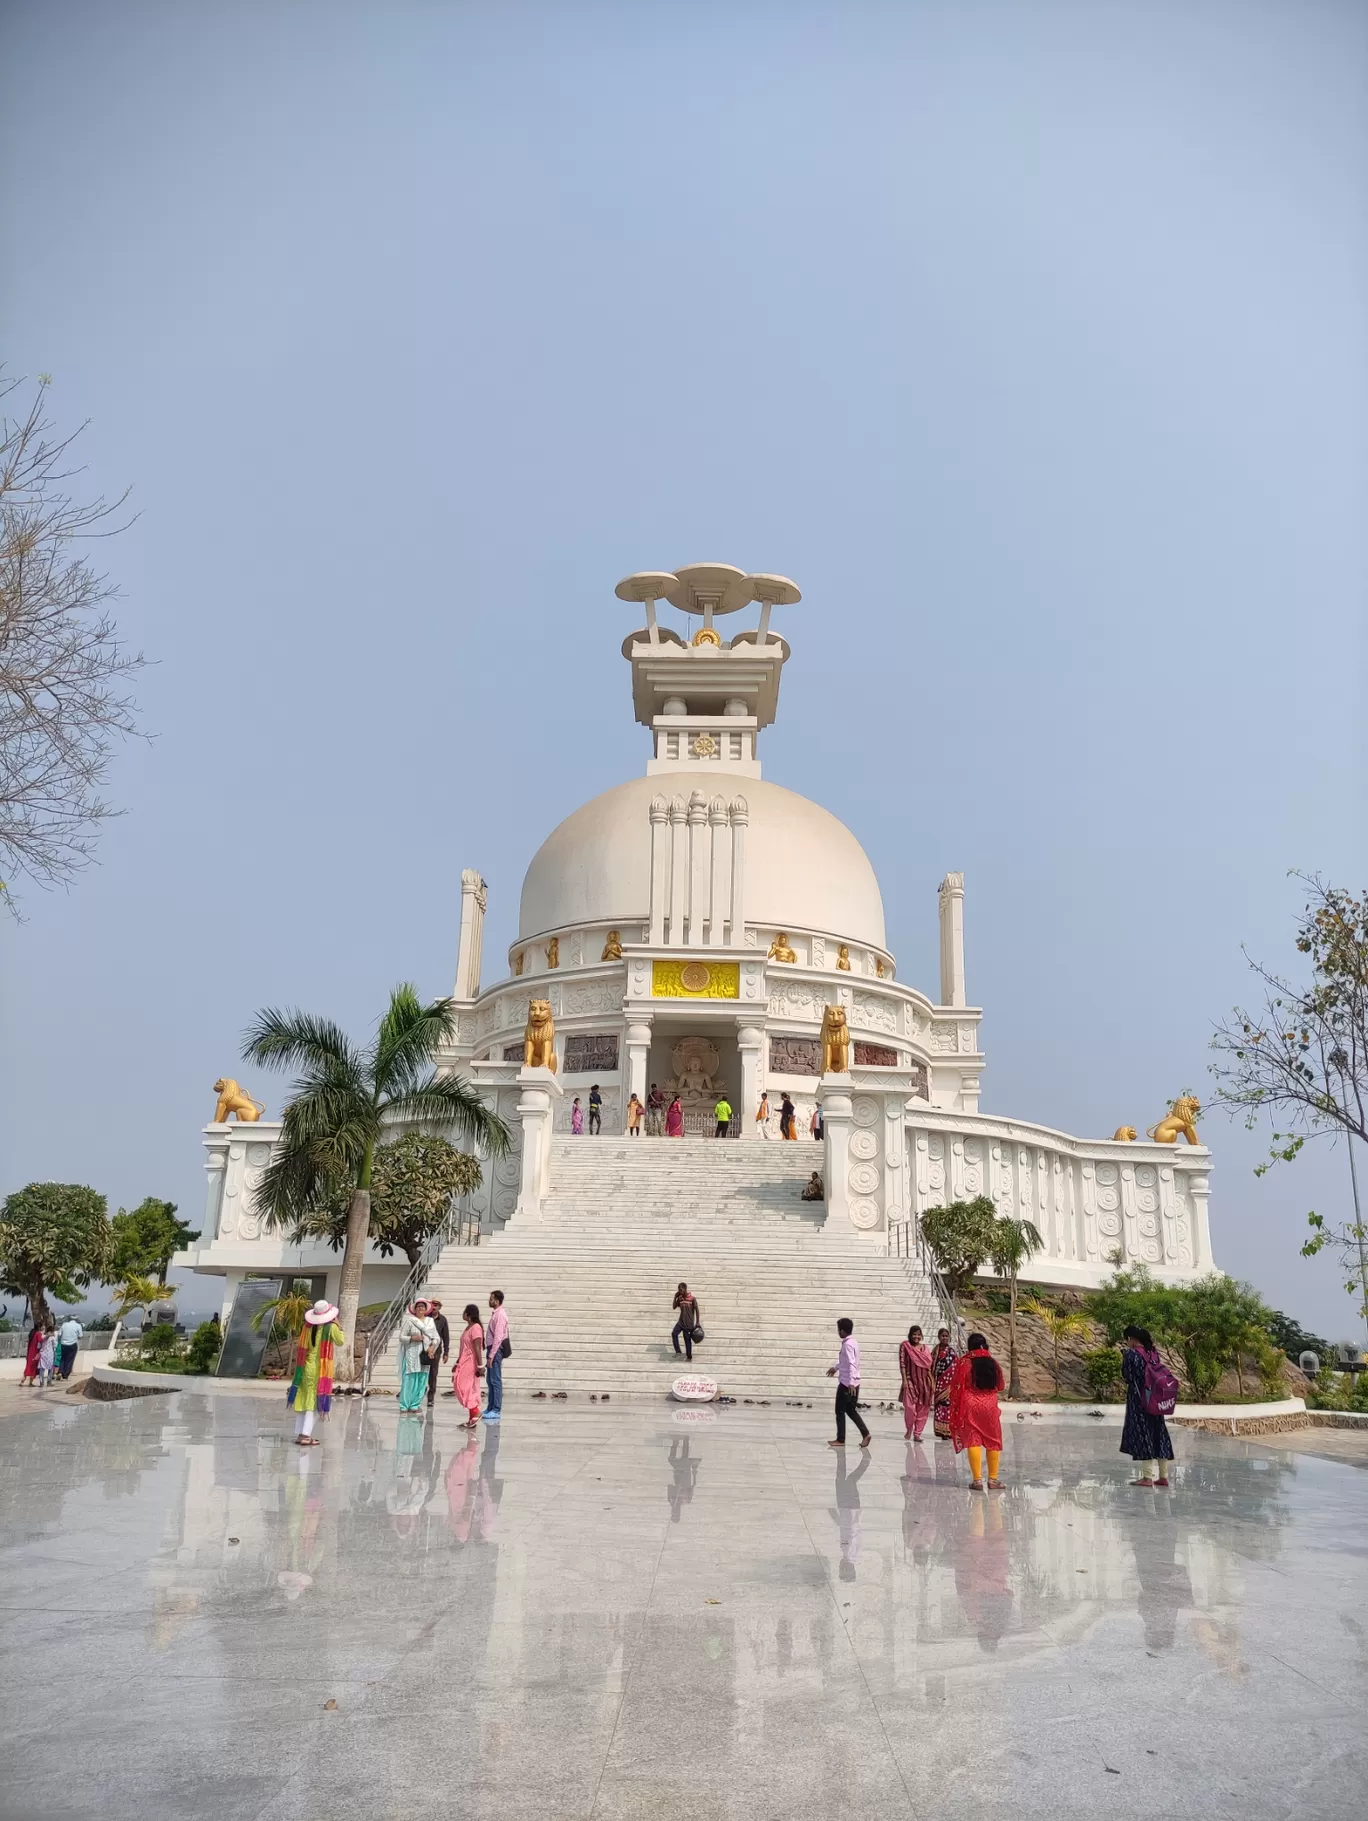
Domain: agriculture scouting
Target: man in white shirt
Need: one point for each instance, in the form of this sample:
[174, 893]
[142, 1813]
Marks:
[846, 1372]
[68, 1335]
[496, 1334]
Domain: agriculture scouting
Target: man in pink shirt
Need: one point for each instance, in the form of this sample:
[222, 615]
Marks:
[846, 1372]
[496, 1339]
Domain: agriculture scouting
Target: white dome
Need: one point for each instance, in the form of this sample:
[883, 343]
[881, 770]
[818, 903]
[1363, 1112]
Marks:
[804, 869]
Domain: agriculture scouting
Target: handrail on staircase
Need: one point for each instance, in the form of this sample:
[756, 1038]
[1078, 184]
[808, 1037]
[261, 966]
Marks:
[906, 1240]
[461, 1227]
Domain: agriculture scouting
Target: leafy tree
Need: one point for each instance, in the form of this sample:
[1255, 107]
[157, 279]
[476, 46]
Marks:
[54, 1237]
[159, 1342]
[960, 1237]
[1293, 1338]
[1211, 1324]
[1012, 1243]
[342, 1104]
[140, 1293]
[145, 1238]
[1060, 1325]
[414, 1181]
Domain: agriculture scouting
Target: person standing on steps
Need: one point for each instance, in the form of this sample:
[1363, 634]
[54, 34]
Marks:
[846, 1372]
[762, 1115]
[595, 1111]
[576, 1118]
[674, 1119]
[443, 1327]
[655, 1113]
[634, 1112]
[815, 1126]
[498, 1347]
[722, 1114]
[788, 1114]
[686, 1309]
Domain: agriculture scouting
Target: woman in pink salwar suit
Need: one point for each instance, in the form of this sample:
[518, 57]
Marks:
[469, 1364]
[918, 1388]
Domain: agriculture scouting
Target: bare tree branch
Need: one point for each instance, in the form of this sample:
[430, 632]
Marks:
[1302, 1059]
[63, 670]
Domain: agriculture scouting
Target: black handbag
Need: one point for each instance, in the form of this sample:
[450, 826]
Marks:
[697, 1336]
[505, 1348]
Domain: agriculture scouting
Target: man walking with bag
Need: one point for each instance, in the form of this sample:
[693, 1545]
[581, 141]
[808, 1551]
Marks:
[498, 1348]
[689, 1316]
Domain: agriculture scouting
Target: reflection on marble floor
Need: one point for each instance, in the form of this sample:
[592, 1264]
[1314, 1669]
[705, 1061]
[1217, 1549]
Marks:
[593, 1613]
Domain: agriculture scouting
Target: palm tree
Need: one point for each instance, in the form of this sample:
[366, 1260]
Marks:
[345, 1100]
[1013, 1242]
[1059, 1324]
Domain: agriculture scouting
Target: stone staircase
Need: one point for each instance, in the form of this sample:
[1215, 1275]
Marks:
[589, 1285]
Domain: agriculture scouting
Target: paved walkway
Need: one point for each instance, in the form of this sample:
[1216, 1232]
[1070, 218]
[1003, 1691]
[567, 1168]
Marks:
[640, 1613]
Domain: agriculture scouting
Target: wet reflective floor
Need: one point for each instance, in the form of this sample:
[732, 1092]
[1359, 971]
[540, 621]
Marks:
[632, 1612]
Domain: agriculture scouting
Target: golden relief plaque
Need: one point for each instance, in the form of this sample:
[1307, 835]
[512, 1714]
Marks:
[695, 980]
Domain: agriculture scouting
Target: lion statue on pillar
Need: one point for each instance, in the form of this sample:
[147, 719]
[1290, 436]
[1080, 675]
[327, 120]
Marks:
[539, 1038]
[231, 1099]
[1182, 1118]
[835, 1041]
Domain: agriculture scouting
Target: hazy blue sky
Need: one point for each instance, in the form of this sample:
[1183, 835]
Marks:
[1028, 337]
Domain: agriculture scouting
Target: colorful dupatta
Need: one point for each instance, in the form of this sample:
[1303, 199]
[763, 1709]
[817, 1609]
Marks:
[943, 1360]
[312, 1386]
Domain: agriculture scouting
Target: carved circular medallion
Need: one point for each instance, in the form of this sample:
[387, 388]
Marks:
[1106, 1172]
[864, 1178]
[1107, 1199]
[864, 1214]
[863, 1144]
[866, 1112]
[694, 977]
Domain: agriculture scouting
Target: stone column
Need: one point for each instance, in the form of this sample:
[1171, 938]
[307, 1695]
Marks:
[952, 939]
[679, 870]
[536, 1110]
[717, 900]
[474, 897]
[834, 1097]
[215, 1167]
[698, 867]
[660, 869]
[750, 1045]
[740, 816]
[1199, 1191]
[638, 1061]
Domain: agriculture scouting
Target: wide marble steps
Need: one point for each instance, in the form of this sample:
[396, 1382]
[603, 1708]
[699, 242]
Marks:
[589, 1284]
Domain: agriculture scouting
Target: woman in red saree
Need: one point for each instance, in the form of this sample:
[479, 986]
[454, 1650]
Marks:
[914, 1365]
[35, 1347]
[674, 1119]
[975, 1420]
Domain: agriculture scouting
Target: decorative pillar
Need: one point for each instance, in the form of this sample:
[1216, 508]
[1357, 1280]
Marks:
[474, 897]
[717, 893]
[660, 869]
[740, 816]
[698, 868]
[1199, 1193]
[834, 1098]
[951, 896]
[750, 1045]
[215, 1167]
[638, 1061]
[679, 870]
[536, 1110]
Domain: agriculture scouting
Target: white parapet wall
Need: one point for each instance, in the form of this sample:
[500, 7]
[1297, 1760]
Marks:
[888, 1159]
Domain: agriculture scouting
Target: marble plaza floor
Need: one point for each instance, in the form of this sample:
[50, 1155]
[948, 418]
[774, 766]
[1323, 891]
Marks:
[638, 1612]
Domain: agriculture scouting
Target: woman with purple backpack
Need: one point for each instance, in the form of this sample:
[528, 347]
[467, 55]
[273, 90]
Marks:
[1151, 1393]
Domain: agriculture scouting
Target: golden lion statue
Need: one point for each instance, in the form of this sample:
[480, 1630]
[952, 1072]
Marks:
[539, 1038]
[1124, 1134]
[1182, 1118]
[231, 1099]
[835, 1041]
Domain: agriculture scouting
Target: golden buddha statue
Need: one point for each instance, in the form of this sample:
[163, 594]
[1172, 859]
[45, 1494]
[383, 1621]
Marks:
[779, 949]
[843, 958]
[612, 948]
[553, 952]
[517, 963]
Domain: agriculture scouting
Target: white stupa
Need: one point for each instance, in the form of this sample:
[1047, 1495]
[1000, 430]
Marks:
[688, 929]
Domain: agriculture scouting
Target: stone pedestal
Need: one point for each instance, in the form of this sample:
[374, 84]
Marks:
[536, 1110]
[750, 1046]
[834, 1097]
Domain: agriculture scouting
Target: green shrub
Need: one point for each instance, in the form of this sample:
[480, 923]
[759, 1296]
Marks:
[1271, 1361]
[1329, 1390]
[204, 1347]
[160, 1341]
[1103, 1367]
